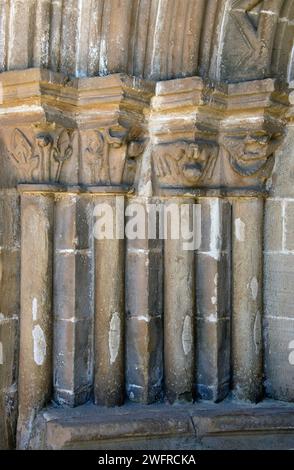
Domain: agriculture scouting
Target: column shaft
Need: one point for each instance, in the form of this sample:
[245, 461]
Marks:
[9, 314]
[35, 367]
[73, 300]
[213, 286]
[144, 305]
[109, 308]
[247, 362]
[179, 314]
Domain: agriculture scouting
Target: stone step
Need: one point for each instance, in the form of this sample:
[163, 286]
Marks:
[269, 425]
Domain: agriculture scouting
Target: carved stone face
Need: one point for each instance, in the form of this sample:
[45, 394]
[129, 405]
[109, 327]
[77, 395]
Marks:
[250, 153]
[196, 163]
[185, 164]
[255, 146]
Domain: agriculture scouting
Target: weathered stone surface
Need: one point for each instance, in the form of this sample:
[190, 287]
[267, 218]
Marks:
[279, 276]
[281, 182]
[158, 40]
[161, 427]
[9, 314]
[278, 325]
[8, 379]
[36, 320]
[289, 225]
[68, 135]
[109, 310]
[179, 316]
[251, 27]
[247, 298]
[274, 225]
[279, 363]
[213, 297]
[144, 309]
[73, 300]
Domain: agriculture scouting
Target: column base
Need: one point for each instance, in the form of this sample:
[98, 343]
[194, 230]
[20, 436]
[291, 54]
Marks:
[203, 426]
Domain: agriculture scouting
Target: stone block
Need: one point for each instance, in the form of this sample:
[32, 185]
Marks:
[213, 285]
[144, 328]
[278, 285]
[9, 281]
[289, 225]
[213, 358]
[273, 225]
[279, 357]
[144, 351]
[283, 173]
[9, 220]
[73, 292]
[72, 364]
[8, 351]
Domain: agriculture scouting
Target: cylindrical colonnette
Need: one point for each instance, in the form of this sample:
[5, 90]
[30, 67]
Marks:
[72, 299]
[179, 301]
[144, 302]
[247, 351]
[35, 357]
[213, 293]
[109, 299]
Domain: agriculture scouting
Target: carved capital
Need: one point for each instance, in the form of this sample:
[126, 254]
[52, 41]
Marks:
[229, 136]
[119, 131]
[41, 156]
[184, 164]
[110, 156]
[247, 157]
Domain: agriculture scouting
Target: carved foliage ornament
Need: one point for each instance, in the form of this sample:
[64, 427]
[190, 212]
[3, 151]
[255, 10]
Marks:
[41, 158]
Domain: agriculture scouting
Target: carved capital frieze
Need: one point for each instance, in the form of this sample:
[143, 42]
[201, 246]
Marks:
[235, 131]
[119, 131]
[81, 131]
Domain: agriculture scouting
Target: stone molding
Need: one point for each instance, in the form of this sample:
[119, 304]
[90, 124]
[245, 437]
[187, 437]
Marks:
[175, 136]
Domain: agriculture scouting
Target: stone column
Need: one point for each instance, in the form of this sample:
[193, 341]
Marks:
[35, 367]
[213, 286]
[9, 313]
[179, 311]
[144, 305]
[73, 299]
[247, 360]
[109, 299]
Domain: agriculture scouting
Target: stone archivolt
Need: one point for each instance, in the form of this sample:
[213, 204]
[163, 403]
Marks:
[156, 39]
